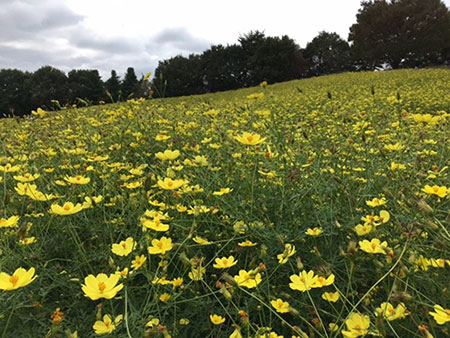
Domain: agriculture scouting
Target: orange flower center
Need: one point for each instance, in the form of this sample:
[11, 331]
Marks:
[249, 138]
[13, 279]
[373, 246]
[225, 261]
[358, 327]
[2, 221]
[101, 286]
[435, 189]
[67, 207]
[78, 178]
[124, 245]
[159, 245]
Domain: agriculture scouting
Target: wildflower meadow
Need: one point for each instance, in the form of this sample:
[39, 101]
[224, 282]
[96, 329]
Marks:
[311, 208]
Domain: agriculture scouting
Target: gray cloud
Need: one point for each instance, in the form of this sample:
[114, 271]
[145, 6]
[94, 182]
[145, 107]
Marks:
[179, 38]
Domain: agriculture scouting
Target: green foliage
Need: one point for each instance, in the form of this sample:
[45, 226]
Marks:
[112, 85]
[86, 85]
[130, 84]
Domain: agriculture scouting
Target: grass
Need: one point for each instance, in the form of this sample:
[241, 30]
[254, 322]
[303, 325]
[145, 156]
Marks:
[328, 146]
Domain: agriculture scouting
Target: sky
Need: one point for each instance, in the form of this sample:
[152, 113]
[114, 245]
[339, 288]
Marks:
[117, 34]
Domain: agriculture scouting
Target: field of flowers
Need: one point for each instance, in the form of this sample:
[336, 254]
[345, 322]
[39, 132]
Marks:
[313, 208]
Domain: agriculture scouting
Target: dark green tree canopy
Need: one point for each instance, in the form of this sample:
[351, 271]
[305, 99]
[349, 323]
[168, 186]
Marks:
[14, 92]
[112, 85]
[130, 84]
[401, 32]
[86, 85]
[49, 84]
[327, 53]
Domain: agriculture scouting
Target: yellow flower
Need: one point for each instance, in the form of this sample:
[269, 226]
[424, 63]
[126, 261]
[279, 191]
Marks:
[138, 262]
[236, 333]
[331, 296]
[26, 178]
[250, 139]
[8, 168]
[374, 246]
[19, 279]
[397, 166]
[314, 231]
[81, 180]
[216, 319]
[67, 209]
[289, 250]
[197, 273]
[160, 246]
[384, 217]
[304, 281]
[161, 137]
[280, 306]
[441, 316]
[154, 224]
[9, 222]
[322, 281]
[101, 286]
[152, 322]
[224, 263]
[362, 230]
[124, 248]
[357, 325]
[133, 185]
[168, 155]
[25, 189]
[246, 243]
[394, 147]
[388, 311]
[169, 184]
[201, 241]
[27, 240]
[376, 202]
[106, 325]
[441, 191]
[164, 297]
[222, 191]
[248, 279]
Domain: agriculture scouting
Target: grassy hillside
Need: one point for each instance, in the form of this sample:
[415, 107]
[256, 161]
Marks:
[313, 208]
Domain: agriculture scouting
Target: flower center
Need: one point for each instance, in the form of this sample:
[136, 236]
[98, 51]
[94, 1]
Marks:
[124, 245]
[13, 279]
[159, 245]
[67, 207]
[358, 327]
[435, 189]
[170, 184]
[250, 138]
[101, 286]
[373, 246]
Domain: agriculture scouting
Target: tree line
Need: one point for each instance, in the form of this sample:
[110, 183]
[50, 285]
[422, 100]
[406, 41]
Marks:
[393, 34]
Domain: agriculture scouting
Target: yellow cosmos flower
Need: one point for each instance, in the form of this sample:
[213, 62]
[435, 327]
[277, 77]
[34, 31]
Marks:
[18, 279]
[362, 230]
[124, 248]
[236, 333]
[394, 147]
[375, 220]
[164, 297]
[138, 261]
[224, 262]
[27, 240]
[304, 281]
[248, 279]
[280, 306]
[331, 296]
[26, 177]
[222, 191]
[440, 191]
[169, 184]
[9, 222]
[314, 231]
[250, 139]
[374, 246]
[397, 166]
[106, 325]
[168, 155]
[67, 209]
[322, 281]
[357, 325]
[24, 189]
[201, 241]
[289, 250]
[101, 286]
[216, 319]
[81, 180]
[376, 202]
[160, 246]
[154, 224]
[161, 137]
[246, 243]
[8, 168]
[388, 311]
[133, 185]
[441, 316]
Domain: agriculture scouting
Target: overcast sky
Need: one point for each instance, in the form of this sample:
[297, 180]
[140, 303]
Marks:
[116, 34]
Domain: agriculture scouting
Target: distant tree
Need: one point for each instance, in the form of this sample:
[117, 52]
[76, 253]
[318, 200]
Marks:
[179, 76]
[14, 92]
[49, 84]
[401, 32]
[112, 85]
[224, 68]
[130, 84]
[327, 53]
[86, 85]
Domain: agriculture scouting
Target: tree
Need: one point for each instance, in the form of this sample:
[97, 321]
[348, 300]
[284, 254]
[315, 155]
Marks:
[49, 84]
[401, 32]
[327, 53]
[130, 84]
[14, 92]
[86, 85]
[112, 85]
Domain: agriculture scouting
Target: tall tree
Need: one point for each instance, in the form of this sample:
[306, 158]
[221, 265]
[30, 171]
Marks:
[130, 84]
[112, 85]
[14, 92]
[401, 32]
[49, 84]
[86, 85]
[327, 53]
